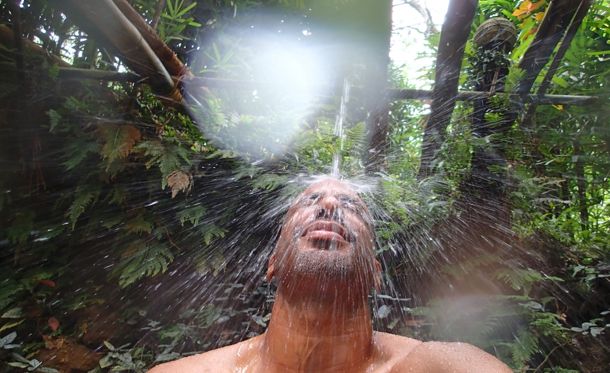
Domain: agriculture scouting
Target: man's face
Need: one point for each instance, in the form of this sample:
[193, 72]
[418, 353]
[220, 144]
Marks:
[326, 238]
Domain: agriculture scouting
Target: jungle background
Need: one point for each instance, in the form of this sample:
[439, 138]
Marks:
[134, 231]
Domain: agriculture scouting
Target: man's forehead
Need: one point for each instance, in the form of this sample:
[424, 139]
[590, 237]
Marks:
[330, 185]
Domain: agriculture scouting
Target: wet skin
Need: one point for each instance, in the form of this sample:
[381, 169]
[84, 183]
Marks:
[324, 265]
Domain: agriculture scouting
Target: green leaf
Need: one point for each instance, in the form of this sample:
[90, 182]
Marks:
[560, 81]
[77, 151]
[11, 325]
[171, 8]
[163, 357]
[7, 339]
[168, 157]
[21, 228]
[54, 118]
[191, 215]
[13, 313]
[118, 141]
[17, 364]
[106, 361]
[8, 291]
[85, 196]
[143, 259]
[138, 225]
[269, 181]
[109, 346]
[211, 232]
[524, 347]
[186, 9]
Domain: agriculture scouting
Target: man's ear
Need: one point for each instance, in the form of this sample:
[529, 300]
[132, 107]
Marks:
[377, 276]
[271, 268]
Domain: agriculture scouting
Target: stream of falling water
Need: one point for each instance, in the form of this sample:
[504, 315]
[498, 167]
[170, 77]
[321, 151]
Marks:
[336, 166]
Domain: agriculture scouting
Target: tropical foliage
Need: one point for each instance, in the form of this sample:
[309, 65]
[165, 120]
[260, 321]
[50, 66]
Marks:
[132, 234]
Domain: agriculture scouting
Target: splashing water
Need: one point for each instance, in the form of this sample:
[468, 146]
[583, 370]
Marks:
[191, 263]
[336, 166]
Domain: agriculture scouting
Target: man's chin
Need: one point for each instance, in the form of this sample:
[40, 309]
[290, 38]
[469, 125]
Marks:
[321, 266]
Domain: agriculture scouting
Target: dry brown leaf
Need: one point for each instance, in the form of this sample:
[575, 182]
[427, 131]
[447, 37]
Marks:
[119, 140]
[179, 181]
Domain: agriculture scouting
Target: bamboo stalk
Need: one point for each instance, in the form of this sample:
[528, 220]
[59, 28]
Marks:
[168, 58]
[107, 21]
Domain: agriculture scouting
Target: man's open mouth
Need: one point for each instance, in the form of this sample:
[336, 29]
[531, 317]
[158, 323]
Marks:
[326, 235]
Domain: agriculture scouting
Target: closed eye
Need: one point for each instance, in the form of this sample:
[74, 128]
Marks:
[350, 202]
[310, 199]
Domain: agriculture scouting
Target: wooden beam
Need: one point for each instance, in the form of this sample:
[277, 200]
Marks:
[393, 94]
[421, 94]
[454, 36]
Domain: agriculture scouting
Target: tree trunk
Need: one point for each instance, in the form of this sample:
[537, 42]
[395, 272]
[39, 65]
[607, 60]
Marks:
[377, 103]
[454, 35]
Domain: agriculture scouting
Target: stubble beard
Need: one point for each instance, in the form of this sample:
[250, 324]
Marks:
[326, 273]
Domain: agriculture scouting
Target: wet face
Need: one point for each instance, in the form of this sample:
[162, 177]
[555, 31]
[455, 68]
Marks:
[326, 239]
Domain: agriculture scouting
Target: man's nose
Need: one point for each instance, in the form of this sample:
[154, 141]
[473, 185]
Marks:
[329, 202]
[327, 207]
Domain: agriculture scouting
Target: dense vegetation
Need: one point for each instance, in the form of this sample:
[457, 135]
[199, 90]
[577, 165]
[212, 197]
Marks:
[134, 231]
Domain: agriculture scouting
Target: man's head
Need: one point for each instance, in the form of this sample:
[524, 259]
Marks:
[326, 242]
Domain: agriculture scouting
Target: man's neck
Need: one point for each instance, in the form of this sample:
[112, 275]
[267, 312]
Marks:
[315, 336]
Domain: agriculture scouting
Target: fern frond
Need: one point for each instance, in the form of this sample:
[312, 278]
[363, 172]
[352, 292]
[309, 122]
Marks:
[211, 232]
[356, 138]
[85, 195]
[191, 215]
[269, 181]
[118, 141]
[77, 151]
[143, 259]
[139, 225]
[21, 228]
[523, 348]
[168, 157]
[522, 279]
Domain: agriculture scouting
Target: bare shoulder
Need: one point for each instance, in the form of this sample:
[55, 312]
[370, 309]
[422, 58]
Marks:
[452, 357]
[395, 343]
[391, 349]
[205, 362]
[219, 360]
